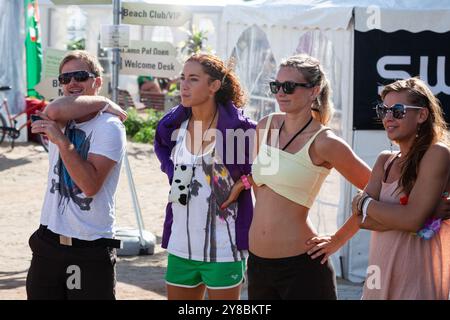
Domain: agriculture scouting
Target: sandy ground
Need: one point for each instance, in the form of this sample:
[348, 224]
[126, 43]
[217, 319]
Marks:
[23, 173]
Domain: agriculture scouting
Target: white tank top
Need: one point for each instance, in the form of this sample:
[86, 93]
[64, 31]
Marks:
[200, 230]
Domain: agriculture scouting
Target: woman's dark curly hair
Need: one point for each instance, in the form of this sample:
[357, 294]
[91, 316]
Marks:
[231, 88]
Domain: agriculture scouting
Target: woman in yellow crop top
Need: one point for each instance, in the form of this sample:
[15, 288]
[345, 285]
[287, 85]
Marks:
[295, 153]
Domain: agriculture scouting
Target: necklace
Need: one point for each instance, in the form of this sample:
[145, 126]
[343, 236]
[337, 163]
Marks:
[296, 134]
[204, 133]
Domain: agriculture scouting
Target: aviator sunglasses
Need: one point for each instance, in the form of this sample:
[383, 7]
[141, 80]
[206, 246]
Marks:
[398, 110]
[288, 86]
[79, 76]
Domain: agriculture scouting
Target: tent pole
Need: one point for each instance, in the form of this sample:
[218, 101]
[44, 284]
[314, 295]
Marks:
[137, 208]
[115, 89]
[116, 57]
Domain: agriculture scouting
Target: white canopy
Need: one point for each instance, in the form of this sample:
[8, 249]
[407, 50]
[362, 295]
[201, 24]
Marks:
[336, 14]
[261, 33]
[289, 13]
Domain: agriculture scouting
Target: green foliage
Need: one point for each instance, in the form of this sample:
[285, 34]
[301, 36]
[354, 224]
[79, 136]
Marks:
[173, 90]
[79, 44]
[146, 135]
[141, 129]
[195, 42]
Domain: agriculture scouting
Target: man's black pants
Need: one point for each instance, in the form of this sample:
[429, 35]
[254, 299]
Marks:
[61, 272]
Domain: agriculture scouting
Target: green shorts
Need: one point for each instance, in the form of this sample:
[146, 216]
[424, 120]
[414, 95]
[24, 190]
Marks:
[215, 275]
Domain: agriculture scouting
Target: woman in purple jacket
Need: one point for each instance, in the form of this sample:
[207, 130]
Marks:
[203, 148]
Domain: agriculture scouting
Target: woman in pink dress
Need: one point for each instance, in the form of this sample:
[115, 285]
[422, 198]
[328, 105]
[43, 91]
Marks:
[403, 195]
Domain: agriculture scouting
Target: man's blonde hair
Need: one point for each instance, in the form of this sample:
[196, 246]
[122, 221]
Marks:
[89, 59]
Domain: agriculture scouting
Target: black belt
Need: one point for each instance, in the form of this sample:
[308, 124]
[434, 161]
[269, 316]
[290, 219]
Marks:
[77, 243]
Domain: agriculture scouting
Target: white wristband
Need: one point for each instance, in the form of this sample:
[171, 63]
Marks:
[364, 209]
[105, 107]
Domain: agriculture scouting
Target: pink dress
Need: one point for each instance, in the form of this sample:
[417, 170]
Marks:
[410, 268]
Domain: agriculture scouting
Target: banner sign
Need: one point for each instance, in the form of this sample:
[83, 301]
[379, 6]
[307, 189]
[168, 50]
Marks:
[33, 47]
[76, 2]
[382, 57]
[154, 15]
[157, 59]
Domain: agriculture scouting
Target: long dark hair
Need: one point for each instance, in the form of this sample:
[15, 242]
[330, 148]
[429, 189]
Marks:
[231, 88]
[433, 130]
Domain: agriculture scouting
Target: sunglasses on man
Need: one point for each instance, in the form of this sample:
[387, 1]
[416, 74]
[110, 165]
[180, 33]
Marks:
[79, 76]
[398, 110]
[288, 86]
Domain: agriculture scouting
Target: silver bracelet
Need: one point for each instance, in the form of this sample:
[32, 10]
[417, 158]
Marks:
[364, 209]
[361, 201]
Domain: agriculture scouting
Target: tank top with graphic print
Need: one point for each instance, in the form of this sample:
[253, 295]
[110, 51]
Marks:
[200, 229]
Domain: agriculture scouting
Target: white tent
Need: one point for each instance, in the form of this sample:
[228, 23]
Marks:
[261, 33]
[12, 39]
[57, 27]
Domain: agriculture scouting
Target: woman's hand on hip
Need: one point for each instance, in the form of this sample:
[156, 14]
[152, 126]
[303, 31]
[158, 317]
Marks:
[323, 246]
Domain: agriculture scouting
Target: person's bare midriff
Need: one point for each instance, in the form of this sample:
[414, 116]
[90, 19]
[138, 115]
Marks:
[280, 227]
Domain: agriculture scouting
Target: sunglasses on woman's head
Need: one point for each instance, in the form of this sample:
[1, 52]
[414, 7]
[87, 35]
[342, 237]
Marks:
[79, 76]
[398, 110]
[288, 86]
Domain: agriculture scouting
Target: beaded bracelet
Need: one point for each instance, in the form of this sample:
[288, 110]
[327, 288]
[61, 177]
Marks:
[246, 183]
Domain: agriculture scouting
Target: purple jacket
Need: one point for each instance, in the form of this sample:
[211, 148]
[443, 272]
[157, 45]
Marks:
[230, 117]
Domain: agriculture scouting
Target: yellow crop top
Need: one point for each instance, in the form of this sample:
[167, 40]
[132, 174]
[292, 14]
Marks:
[292, 176]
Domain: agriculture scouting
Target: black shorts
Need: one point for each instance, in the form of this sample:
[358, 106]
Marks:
[292, 278]
[60, 272]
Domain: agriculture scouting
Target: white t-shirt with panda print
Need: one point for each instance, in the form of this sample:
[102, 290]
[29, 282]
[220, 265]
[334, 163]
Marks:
[200, 230]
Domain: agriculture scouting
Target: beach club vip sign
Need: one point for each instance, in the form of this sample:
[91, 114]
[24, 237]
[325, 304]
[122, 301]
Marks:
[149, 57]
[154, 15]
[158, 59]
